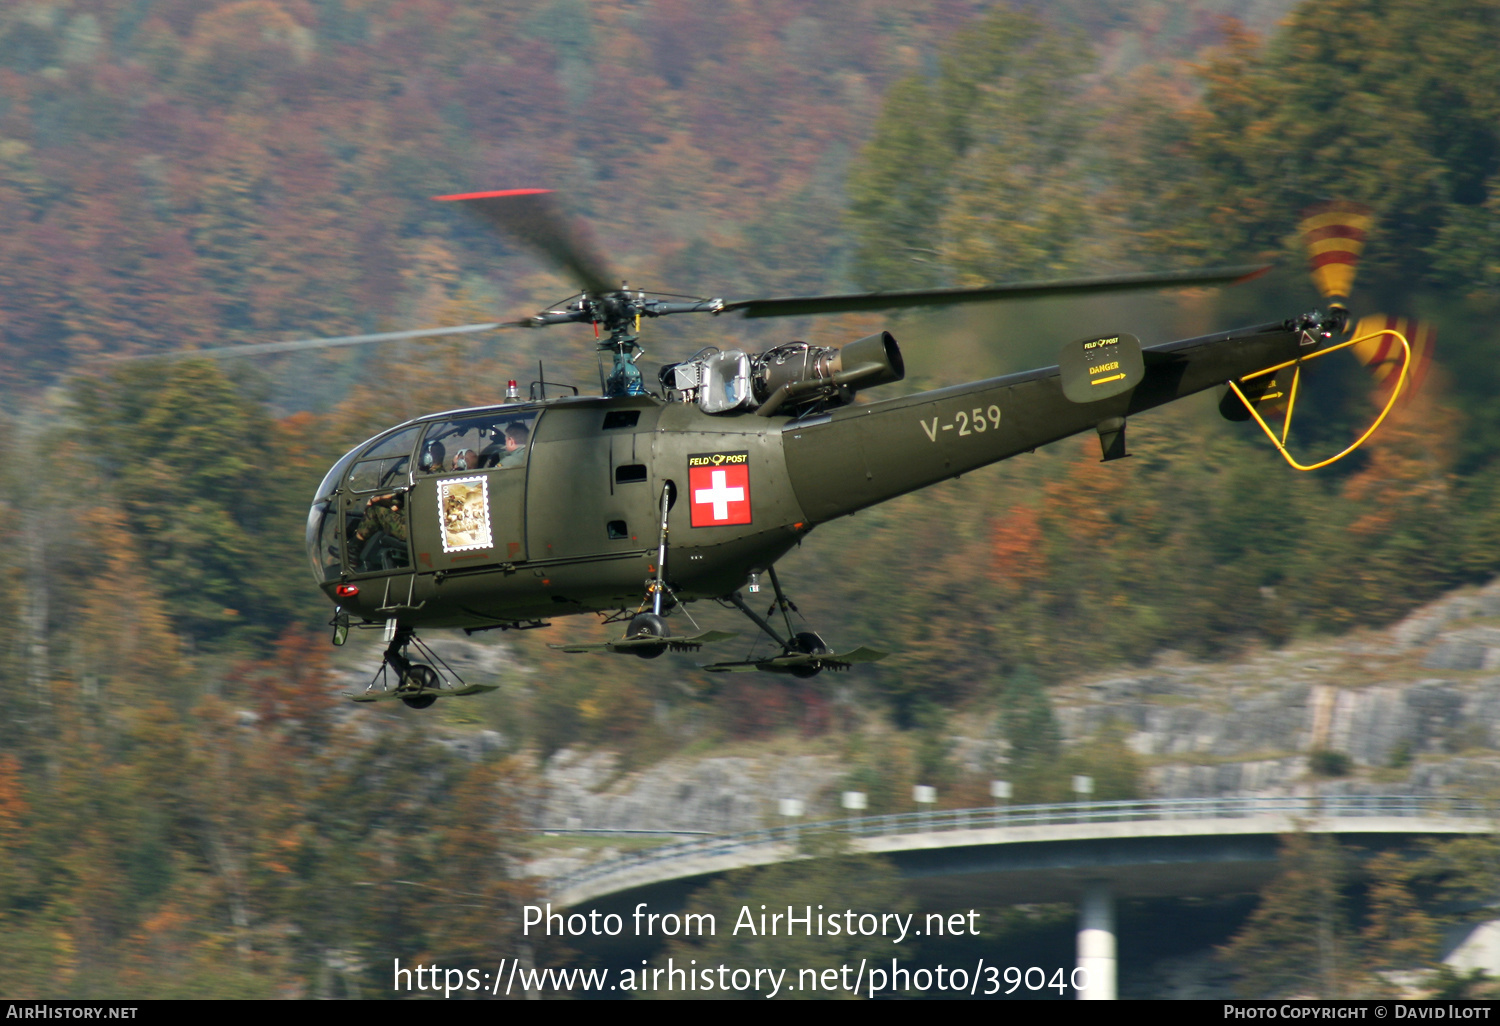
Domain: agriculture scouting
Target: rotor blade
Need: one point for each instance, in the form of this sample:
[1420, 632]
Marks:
[1334, 235]
[1382, 356]
[792, 306]
[533, 218]
[261, 348]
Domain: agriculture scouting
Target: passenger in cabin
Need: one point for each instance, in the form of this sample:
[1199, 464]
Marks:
[516, 438]
[382, 513]
[380, 536]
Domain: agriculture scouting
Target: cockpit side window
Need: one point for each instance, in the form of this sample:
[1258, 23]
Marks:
[492, 440]
[399, 444]
[333, 525]
[375, 510]
[372, 475]
[384, 464]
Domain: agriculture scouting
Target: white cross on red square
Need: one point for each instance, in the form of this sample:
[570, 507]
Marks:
[719, 495]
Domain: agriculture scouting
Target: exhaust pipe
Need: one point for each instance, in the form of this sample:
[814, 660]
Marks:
[864, 363]
[870, 361]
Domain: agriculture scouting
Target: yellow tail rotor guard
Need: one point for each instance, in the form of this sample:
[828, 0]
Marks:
[1291, 402]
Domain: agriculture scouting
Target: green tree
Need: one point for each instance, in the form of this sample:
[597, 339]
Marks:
[1026, 719]
[1298, 940]
[192, 461]
[1391, 103]
[975, 173]
[1465, 872]
[1399, 933]
[1108, 760]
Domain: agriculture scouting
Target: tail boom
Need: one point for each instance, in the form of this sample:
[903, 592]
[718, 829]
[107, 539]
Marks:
[858, 456]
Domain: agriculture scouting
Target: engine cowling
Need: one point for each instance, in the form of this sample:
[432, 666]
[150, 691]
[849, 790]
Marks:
[788, 378]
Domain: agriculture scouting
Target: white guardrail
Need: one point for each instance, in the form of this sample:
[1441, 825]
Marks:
[1305, 808]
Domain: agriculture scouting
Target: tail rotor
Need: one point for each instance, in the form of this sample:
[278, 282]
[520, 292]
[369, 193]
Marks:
[1334, 235]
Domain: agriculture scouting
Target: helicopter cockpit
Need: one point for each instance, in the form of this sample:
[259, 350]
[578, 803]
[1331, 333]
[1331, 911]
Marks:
[367, 475]
[360, 524]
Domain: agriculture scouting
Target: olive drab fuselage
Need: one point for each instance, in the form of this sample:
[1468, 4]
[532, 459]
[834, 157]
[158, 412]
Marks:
[572, 523]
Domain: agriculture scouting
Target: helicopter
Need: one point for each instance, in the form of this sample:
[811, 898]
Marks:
[635, 503]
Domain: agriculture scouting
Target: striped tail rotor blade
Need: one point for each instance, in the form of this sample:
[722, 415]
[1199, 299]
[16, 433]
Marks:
[1382, 355]
[1334, 235]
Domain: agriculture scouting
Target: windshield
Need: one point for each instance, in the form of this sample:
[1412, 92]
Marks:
[383, 462]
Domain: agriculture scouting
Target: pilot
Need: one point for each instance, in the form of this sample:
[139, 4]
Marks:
[516, 438]
[431, 460]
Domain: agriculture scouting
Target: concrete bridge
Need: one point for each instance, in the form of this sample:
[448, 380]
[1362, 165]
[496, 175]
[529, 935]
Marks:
[1091, 853]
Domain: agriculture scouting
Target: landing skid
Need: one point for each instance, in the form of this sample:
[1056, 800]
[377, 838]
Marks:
[417, 685]
[636, 645]
[432, 693]
[803, 654]
[799, 663]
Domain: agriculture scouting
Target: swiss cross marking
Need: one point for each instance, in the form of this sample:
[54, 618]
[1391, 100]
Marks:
[720, 495]
[719, 488]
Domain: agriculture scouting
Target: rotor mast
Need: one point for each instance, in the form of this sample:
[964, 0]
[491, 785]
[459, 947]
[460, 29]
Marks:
[617, 316]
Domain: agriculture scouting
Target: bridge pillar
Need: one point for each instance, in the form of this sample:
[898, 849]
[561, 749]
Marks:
[1096, 942]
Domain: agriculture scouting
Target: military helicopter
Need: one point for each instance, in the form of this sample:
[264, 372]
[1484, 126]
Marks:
[636, 503]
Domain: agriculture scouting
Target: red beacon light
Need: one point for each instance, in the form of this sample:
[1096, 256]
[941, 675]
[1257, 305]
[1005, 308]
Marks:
[511, 391]
[346, 590]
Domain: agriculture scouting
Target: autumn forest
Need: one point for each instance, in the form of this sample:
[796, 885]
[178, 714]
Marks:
[187, 810]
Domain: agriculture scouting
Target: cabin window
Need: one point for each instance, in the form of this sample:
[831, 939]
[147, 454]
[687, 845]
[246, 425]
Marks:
[377, 475]
[377, 538]
[399, 444]
[332, 523]
[493, 440]
[384, 463]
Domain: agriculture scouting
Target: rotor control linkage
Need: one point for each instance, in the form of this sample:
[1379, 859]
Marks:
[1320, 324]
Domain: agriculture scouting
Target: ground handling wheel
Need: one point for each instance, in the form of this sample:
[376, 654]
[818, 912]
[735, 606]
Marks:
[809, 643]
[647, 625]
[419, 679]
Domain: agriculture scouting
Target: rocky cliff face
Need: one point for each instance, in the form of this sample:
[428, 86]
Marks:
[1414, 708]
[711, 795]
